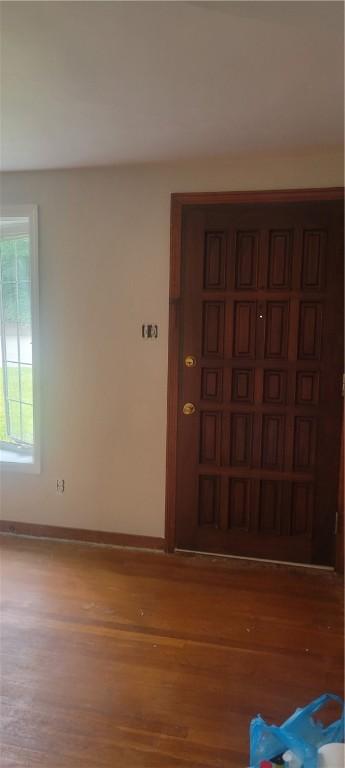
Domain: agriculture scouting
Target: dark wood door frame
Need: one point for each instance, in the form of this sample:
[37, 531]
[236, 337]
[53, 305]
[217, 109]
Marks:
[339, 557]
[178, 202]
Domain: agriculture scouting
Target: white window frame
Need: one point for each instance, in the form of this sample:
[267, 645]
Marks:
[20, 462]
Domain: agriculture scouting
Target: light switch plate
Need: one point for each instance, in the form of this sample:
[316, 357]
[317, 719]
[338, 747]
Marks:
[149, 331]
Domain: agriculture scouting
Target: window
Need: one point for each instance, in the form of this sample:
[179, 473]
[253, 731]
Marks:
[19, 443]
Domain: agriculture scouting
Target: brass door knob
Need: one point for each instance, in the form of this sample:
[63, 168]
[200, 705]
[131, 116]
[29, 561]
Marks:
[188, 409]
[190, 361]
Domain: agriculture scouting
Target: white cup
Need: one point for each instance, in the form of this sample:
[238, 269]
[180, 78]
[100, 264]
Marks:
[331, 756]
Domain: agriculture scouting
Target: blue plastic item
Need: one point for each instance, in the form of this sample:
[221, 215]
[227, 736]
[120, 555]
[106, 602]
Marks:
[300, 733]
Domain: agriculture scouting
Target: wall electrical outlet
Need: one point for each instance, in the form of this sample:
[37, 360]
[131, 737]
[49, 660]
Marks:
[60, 486]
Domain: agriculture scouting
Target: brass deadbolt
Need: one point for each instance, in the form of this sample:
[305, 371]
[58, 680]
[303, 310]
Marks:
[188, 409]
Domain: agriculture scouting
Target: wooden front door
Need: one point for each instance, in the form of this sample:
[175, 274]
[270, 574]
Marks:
[260, 361]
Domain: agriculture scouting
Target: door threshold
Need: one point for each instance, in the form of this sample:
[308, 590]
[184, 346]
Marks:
[258, 559]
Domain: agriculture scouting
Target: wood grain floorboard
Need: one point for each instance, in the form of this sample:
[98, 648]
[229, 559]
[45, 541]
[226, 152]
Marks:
[113, 657]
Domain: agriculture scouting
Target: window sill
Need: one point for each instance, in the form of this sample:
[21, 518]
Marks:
[17, 461]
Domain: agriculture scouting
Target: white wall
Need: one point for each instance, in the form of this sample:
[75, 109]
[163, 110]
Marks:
[104, 268]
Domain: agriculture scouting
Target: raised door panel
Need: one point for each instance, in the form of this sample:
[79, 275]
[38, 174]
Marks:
[301, 509]
[273, 428]
[310, 330]
[279, 260]
[239, 504]
[242, 385]
[241, 429]
[246, 260]
[208, 501]
[270, 507]
[304, 443]
[244, 329]
[212, 384]
[277, 329]
[213, 329]
[210, 428]
[275, 387]
[313, 260]
[215, 261]
[307, 387]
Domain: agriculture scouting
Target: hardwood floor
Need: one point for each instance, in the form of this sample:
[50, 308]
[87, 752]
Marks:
[115, 658]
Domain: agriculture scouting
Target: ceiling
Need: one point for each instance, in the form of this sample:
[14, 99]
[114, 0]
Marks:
[93, 83]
